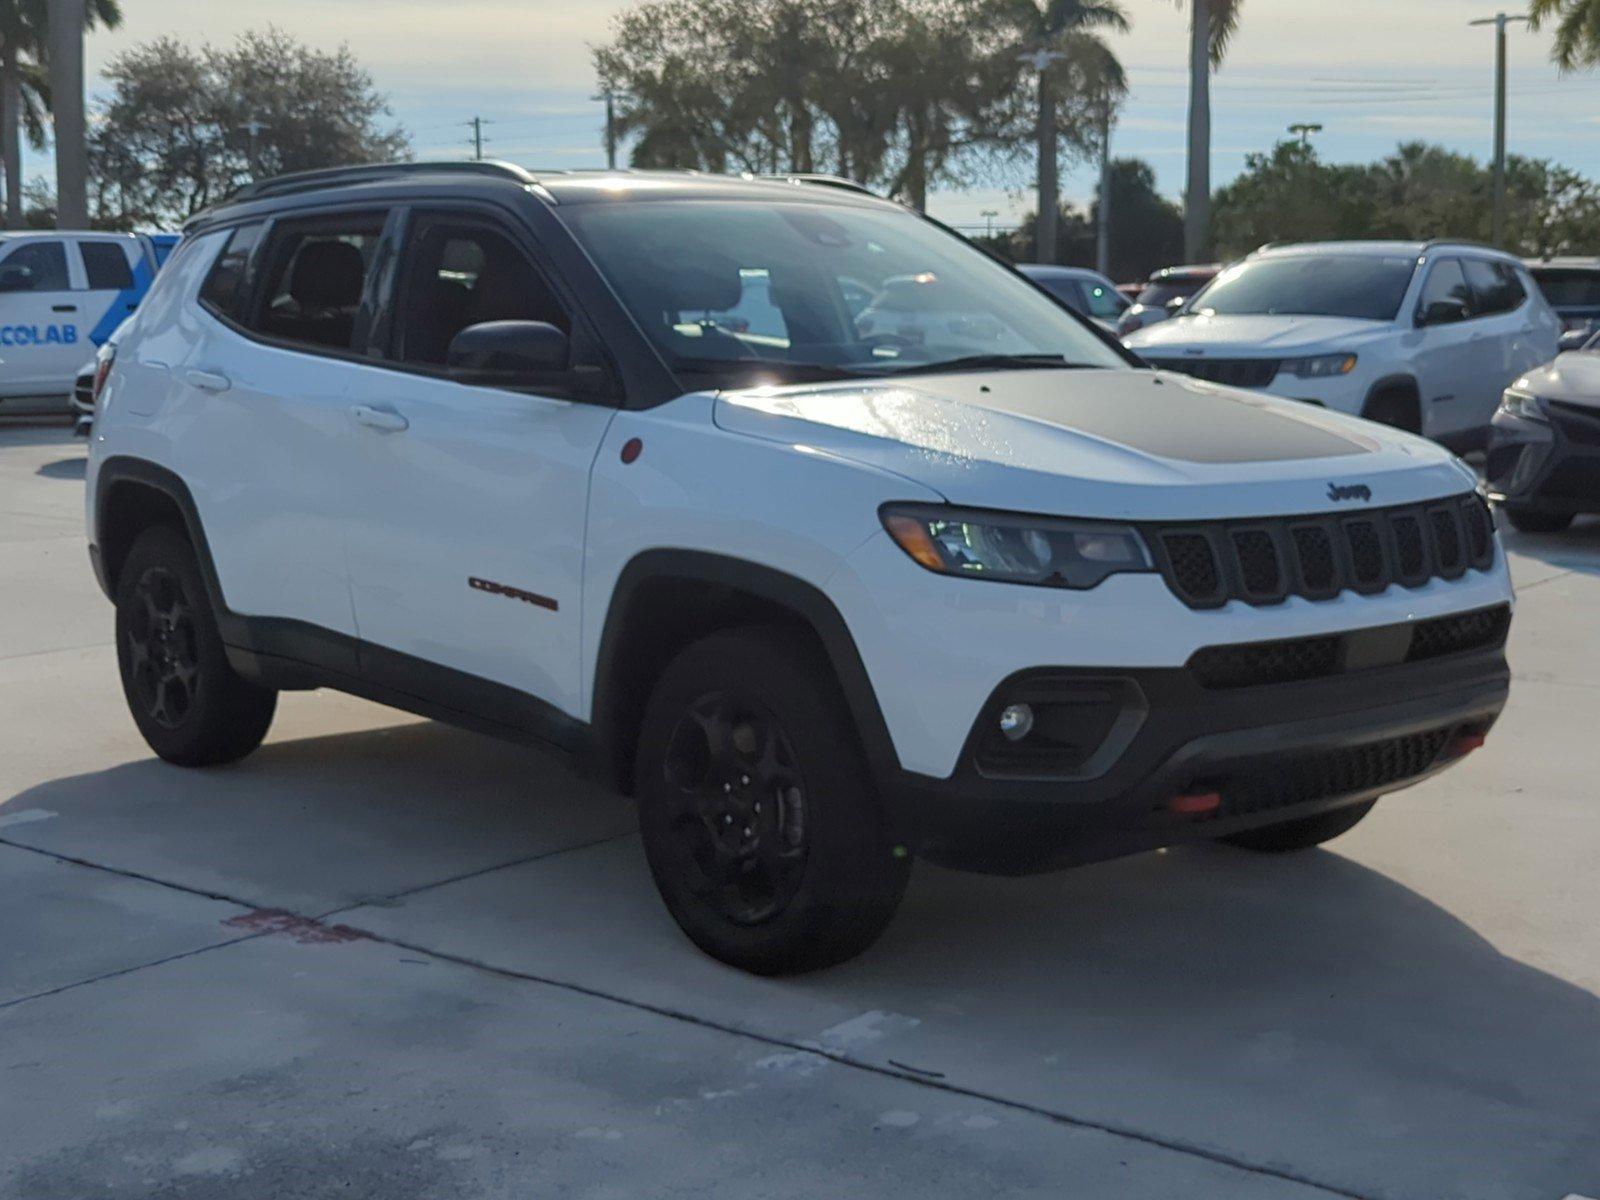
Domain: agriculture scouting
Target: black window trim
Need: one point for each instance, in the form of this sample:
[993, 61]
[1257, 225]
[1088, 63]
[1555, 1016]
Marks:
[418, 213]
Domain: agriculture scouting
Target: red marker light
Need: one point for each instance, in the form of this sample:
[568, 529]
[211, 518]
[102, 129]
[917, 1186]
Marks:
[1467, 743]
[631, 449]
[1196, 804]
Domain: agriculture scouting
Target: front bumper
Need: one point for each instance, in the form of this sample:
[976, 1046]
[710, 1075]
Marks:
[1270, 753]
[1550, 465]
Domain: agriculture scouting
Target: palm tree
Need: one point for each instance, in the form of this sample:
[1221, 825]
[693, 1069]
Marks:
[1059, 31]
[1577, 24]
[25, 85]
[1211, 26]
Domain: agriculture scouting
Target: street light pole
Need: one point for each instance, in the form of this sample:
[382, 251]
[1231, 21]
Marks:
[1044, 227]
[1304, 131]
[1499, 21]
[989, 214]
[66, 88]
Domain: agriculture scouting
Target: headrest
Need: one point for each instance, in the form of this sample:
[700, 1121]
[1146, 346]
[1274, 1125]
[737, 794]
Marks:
[327, 275]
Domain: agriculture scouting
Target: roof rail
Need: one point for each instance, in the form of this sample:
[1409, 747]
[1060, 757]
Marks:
[820, 180]
[308, 181]
[1434, 243]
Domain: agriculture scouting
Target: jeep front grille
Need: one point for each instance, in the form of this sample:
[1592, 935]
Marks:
[1206, 564]
[1234, 372]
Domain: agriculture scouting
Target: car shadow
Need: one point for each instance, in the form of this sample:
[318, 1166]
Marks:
[1576, 548]
[64, 468]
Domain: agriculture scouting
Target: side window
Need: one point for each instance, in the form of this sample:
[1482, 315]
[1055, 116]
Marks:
[1496, 285]
[106, 265]
[1064, 290]
[1103, 302]
[460, 273]
[226, 285]
[1448, 285]
[314, 276]
[35, 266]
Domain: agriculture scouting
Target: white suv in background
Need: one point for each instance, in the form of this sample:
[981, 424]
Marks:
[1424, 336]
[825, 597]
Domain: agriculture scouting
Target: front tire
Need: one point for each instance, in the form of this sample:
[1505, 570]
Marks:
[763, 830]
[1537, 520]
[1302, 833]
[191, 706]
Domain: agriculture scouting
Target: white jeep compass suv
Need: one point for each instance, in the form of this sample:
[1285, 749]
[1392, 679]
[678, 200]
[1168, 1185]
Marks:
[1424, 336]
[488, 447]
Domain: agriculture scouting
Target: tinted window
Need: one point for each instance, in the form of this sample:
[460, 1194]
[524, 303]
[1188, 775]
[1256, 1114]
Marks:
[1494, 285]
[315, 274]
[1103, 301]
[45, 264]
[1364, 287]
[1159, 295]
[1566, 288]
[465, 273]
[1064, 290]
[106, 265]
[225, 286]
[1447, 285]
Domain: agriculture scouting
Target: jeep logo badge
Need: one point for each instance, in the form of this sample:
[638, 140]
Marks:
[1349, 491]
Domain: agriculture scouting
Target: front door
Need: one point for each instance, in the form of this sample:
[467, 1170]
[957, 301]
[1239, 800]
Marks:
[43, 338]
[466, 540]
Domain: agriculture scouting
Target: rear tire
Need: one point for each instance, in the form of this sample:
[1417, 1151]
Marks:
[191, 706]
[764, 833]
[1302, 833]
[1537, 520]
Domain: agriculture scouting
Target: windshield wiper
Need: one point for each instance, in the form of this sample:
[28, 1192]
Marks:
[799, 372]
[991, 362]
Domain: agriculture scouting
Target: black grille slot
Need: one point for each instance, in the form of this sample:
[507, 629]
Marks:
[1459, 633]
[1258, 663]
[1446, 542]
[1319, 570]
[1317, 557]
[1194, 567]
[1234, 372]
[1579, 423]
[1366, 555]
[1324, 775]
[1259, 570]
[1410, 552]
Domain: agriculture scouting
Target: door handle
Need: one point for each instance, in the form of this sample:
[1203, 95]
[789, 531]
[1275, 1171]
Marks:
[63, 308]
[383, 419]
[209, 381]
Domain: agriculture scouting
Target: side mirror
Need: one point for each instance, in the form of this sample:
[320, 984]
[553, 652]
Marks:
[1175, 304]
[1444, 312]
[1574, 339]
[16, 279]
[508, 349]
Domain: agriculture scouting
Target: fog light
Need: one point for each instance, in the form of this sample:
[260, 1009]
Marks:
[1016, 721]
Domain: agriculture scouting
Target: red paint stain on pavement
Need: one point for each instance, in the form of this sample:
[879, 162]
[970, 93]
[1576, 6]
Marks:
[308, 931]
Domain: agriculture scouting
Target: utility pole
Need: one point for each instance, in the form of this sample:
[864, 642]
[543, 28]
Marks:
[610, 96]
[252, 129]
[66, 87]
[1499, 21]
[1044, 228]
[988, 215]
[476, 125]
[1304, 131]
[1102, 241]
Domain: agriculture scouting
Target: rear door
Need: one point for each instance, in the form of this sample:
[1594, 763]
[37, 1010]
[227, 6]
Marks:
[116, 276]
[1450, 360]
[1517, 333]
[467, 531]
[43, 338]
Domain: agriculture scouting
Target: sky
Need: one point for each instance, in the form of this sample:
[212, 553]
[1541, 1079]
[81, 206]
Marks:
[1372, 72]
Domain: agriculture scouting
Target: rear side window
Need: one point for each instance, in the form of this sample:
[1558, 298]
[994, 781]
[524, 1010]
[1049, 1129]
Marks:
[35, 267]
[1495, 285]
[1566, 288]
[106, 265]
[315, 274]
[225, 287]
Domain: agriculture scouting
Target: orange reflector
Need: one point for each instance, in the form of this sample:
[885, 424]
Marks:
[913, 537]
[1467, 743]
[1196, 804]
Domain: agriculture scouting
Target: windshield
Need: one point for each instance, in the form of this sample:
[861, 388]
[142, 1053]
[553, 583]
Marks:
[1364, 287]
[744, 290]
[1159, 295]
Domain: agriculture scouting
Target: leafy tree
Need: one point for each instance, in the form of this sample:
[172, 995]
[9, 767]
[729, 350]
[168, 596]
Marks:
[1577, 30]
[184, 127]
[1146, 228]
[1211, 27]
[25, 86]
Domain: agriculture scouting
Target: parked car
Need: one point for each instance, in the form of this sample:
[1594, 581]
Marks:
[1087, 293]
[1544, 443]
[62, 292]
[1421, 336]
[1572, 286]
[457, 438]
[90, 381]
[1166, 291]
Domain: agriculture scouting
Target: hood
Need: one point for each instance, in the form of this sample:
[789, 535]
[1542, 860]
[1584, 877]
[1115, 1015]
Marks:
[1572, 378]
[1254, 336]
[1111, 443]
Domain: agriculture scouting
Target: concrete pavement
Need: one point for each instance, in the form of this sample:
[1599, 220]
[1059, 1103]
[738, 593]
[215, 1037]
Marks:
[386, 958]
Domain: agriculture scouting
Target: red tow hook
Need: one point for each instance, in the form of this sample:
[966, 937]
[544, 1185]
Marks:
[1196, 804]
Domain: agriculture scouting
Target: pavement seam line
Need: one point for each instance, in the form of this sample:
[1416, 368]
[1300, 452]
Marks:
[770, 1040]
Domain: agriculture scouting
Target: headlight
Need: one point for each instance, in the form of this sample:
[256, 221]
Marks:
[1320, 366]
[1014, 548]
[1520, 404]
